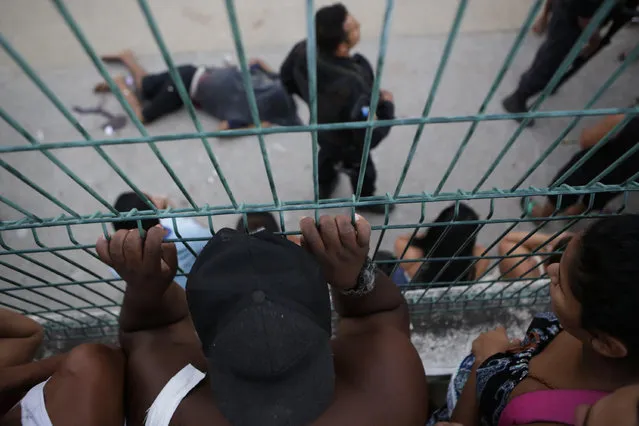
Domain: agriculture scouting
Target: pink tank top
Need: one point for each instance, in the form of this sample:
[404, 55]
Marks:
[556, 406]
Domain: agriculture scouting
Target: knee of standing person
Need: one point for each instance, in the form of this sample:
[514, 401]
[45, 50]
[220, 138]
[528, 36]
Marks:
[594, 289]
[92, 361]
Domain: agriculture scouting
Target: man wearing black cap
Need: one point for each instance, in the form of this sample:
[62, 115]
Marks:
[261, 309]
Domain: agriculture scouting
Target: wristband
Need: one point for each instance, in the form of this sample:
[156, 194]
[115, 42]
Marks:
[365, 280]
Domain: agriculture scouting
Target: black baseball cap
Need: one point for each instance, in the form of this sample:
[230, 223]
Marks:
[261, 309]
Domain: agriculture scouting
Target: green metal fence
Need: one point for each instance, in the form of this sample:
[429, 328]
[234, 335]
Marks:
[68, 304]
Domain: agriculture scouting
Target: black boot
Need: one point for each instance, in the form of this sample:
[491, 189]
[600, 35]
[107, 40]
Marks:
[515, 104]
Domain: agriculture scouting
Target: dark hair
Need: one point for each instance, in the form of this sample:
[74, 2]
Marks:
[454, 236]
[256, 221]
[329, 27]
[604, 278]
[559, 248]
[125, 203]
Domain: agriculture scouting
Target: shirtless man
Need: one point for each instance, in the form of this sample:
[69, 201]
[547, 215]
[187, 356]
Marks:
[260, 306]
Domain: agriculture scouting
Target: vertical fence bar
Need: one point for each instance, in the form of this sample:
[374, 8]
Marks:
[40, 292]
[116, 92]
[525, 29]
[250, 94]
[311, 64]
[20, 209]
[35, 79]
[383, 42]
[592, 26]
[470, 237]
[177, 81]
[412, 237]
[452, 36]
[32, 140]
[38, 189]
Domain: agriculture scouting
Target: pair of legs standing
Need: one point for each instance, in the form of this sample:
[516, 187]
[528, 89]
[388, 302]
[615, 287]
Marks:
[563, 32]
[328, 161]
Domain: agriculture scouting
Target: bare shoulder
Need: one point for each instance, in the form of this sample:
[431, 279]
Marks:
[383, 366]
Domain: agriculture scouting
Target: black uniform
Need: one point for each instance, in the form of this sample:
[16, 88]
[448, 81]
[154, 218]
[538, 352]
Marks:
[625, 140]
[344, 88]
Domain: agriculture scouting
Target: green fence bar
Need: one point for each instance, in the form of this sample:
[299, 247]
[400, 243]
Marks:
[186, 100]
[33, 76]
[525, 29]
[32, 140]
[452, 35]
[335, 203]
[20, 209]
[311, 64]
[631, 57]
[319, 127]
[38, 189]
[590, 29]
[383, 42]
[250, 93]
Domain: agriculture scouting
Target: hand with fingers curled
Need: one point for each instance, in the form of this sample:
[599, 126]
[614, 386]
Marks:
[146, 264]
[491, 343]
[340, 246]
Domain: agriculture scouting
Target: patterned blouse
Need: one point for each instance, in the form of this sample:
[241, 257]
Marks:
[500, 374]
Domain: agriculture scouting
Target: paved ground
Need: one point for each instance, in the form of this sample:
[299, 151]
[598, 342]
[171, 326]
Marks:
[197, 31]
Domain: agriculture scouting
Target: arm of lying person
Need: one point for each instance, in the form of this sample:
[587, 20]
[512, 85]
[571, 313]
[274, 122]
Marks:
[364, 298]
[151, 299]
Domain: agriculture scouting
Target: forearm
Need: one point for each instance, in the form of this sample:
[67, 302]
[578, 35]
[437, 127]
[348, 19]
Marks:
[385, 298]
[144, 311]
[466, 411]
